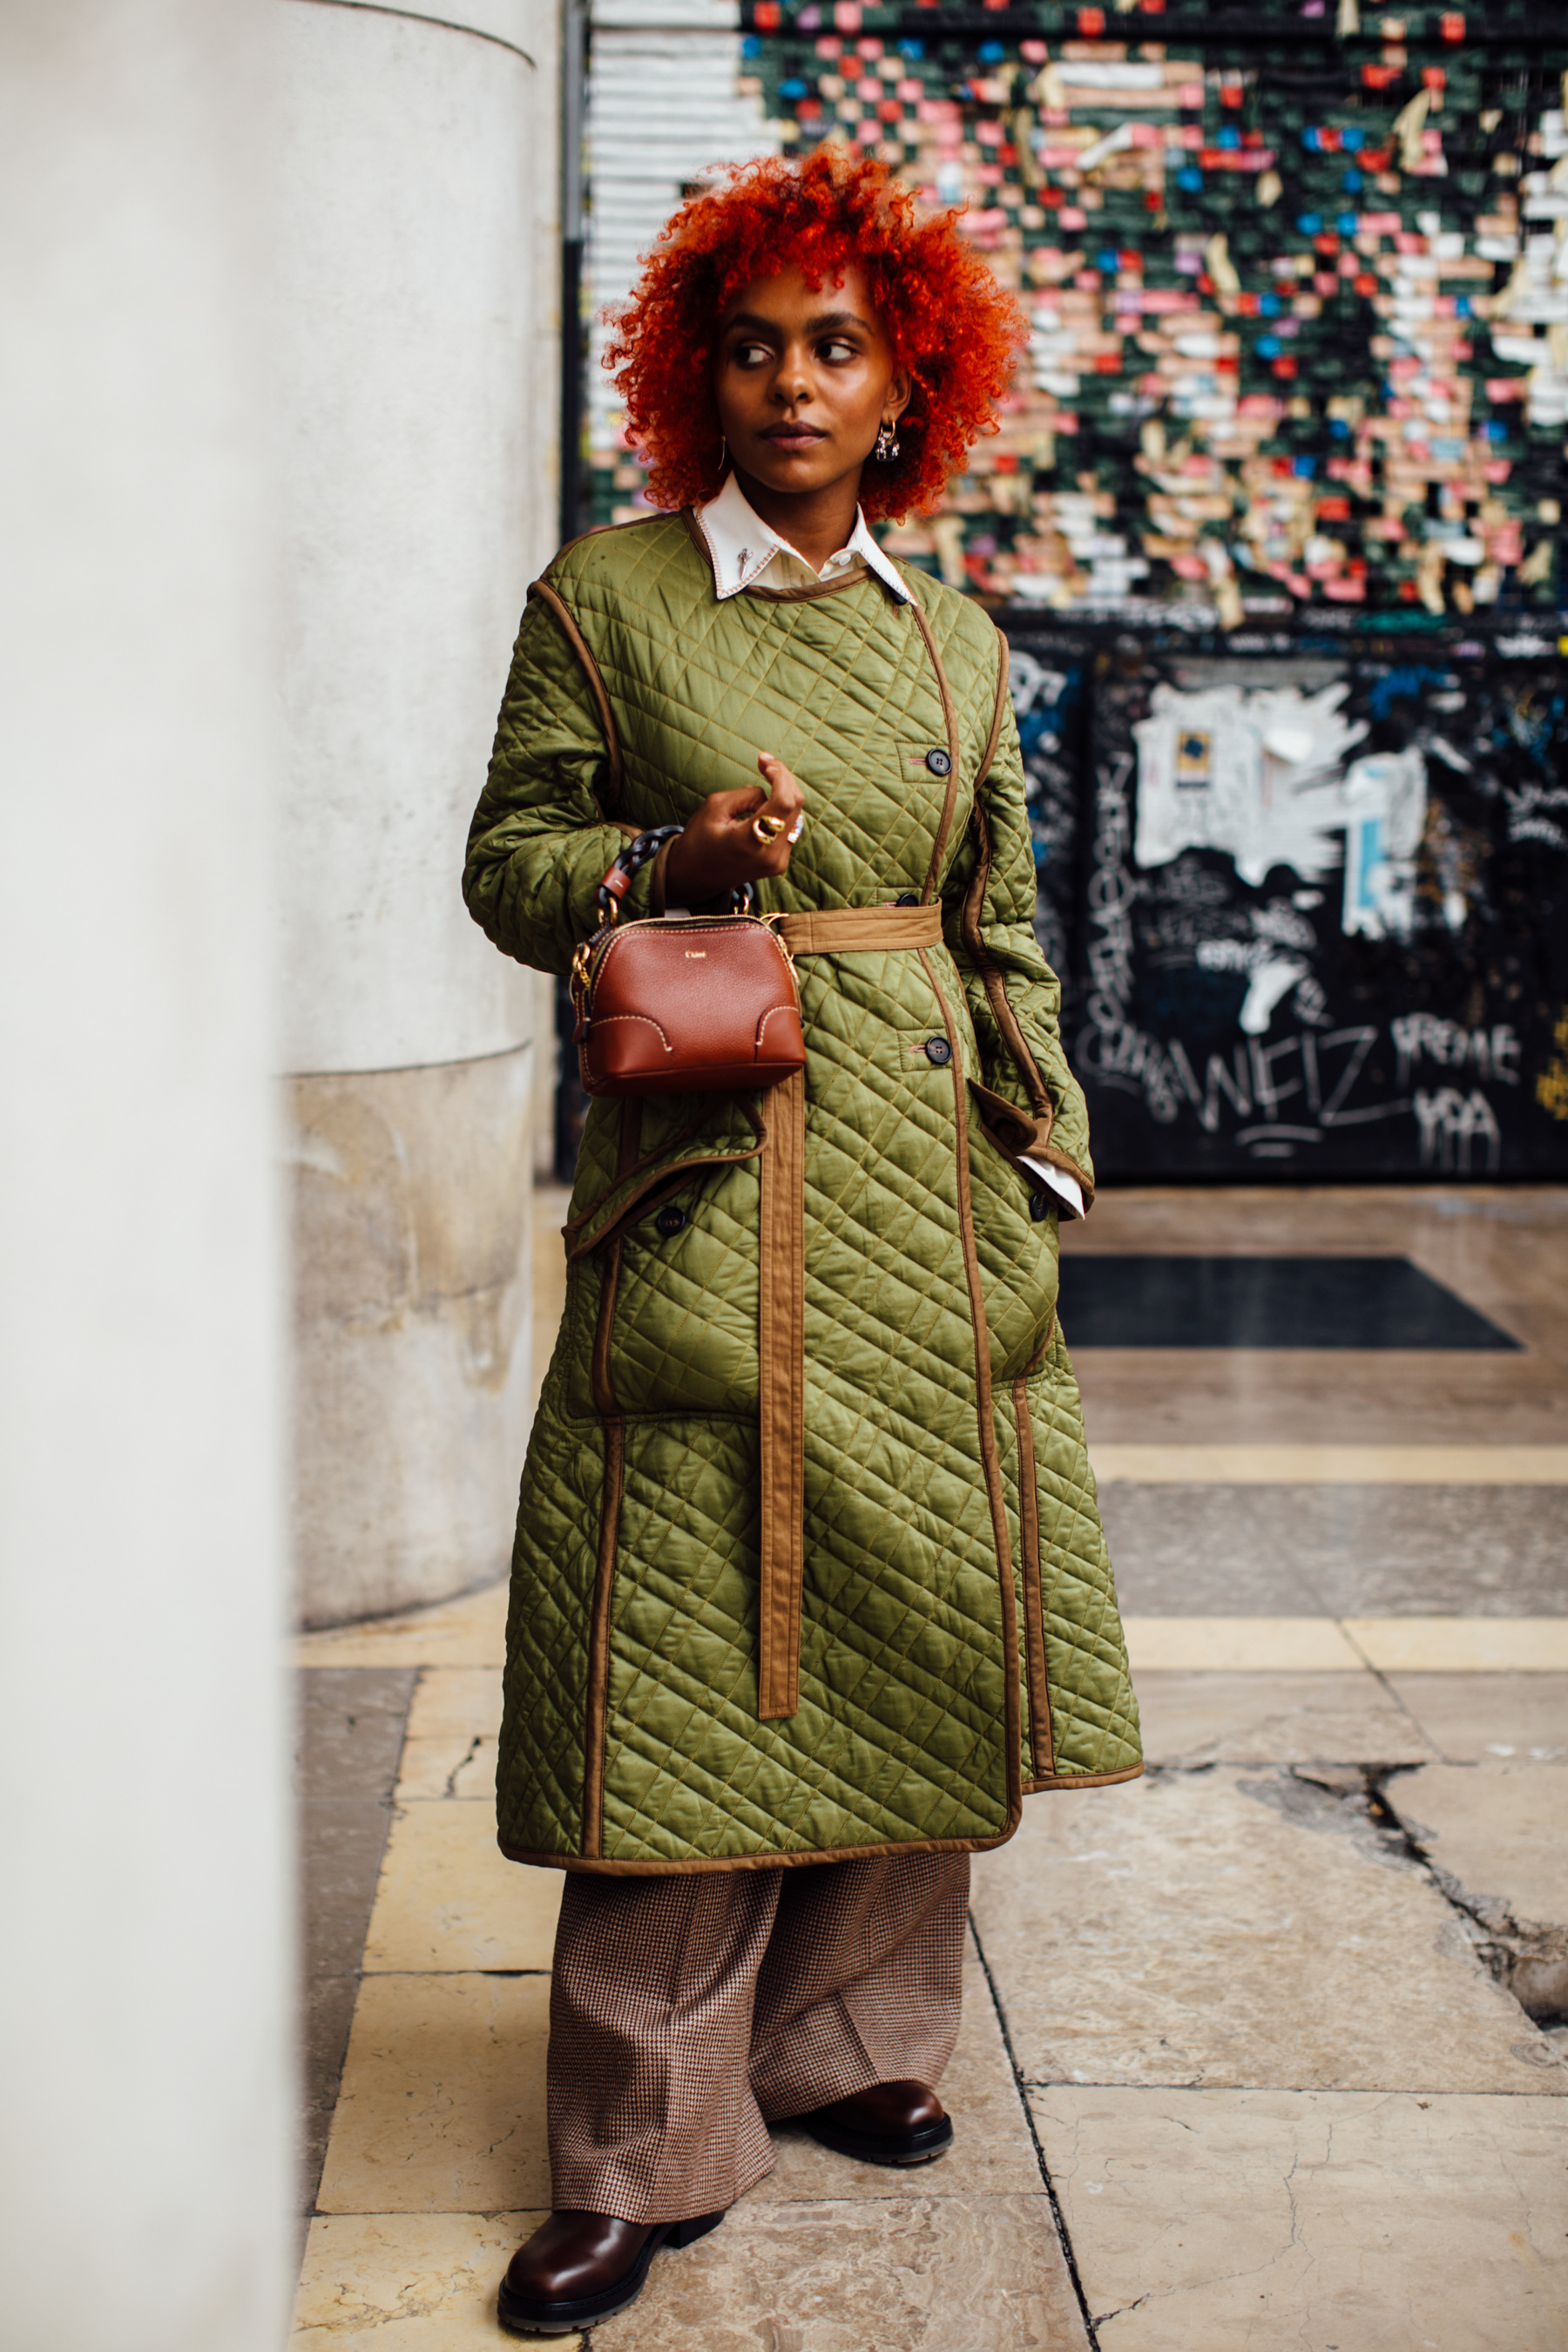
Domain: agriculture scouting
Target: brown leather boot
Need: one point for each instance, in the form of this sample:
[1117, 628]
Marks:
[892, 2123]
[579, 2267]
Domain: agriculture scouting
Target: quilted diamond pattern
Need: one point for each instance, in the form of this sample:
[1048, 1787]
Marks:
[913, 1723]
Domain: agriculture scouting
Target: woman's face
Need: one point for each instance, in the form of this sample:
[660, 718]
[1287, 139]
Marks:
[803, 379]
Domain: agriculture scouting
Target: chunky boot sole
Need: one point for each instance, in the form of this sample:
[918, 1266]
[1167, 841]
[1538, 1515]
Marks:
[919, 2146]
[526, 2314]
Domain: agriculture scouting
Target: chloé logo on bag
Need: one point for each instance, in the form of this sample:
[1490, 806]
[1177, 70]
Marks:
[696, 955]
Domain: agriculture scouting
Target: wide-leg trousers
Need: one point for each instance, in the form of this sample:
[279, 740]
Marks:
[689, 2012]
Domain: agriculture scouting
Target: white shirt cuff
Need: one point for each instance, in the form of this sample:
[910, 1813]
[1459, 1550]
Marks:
[1068, 1188]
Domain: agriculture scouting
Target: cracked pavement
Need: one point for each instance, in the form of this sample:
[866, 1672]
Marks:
[1268, 2049]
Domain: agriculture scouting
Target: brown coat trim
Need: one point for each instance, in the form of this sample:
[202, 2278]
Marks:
[988, 757]
[984, 1408]
[769, 1858]
[950, 719]
[605, 1404]
[579, 644]
[1040, 1734]
[1061, 1781]
[596, 1715]
[781, 1380]
[991, 977]
[597, 1709]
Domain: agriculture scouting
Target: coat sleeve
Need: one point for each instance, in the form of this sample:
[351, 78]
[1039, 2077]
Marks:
[1029, 1100]
[540, 842]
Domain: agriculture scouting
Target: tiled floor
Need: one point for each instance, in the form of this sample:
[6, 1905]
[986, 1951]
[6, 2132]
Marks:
[1245, 2062]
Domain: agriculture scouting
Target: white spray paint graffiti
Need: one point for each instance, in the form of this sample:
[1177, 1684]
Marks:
[1110, 1043]
[1259, 774]
[1452, 1125]
[1492, 1054]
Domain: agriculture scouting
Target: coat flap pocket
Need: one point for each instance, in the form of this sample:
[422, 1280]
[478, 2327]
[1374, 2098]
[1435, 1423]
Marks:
[725, 1128]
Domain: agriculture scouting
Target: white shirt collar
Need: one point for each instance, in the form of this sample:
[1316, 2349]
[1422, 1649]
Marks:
[744, 549]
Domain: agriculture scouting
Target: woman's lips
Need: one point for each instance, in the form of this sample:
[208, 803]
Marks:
[792, 436]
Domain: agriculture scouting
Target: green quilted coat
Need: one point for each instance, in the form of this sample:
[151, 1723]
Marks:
[959, 1642]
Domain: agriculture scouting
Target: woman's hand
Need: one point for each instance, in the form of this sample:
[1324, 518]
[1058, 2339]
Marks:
[720, 849]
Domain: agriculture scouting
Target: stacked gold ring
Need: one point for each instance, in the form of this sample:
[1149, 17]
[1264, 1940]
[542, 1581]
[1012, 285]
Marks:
[766, 829]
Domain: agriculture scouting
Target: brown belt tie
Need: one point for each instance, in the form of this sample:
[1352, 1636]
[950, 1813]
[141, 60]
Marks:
[782, 1335]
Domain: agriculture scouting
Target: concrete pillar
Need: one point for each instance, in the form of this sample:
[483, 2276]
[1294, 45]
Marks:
[145, 2125]
[419, 380]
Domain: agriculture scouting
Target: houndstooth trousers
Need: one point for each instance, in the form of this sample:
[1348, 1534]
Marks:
[688, 2011]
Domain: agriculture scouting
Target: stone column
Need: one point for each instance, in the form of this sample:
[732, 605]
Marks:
[145, 1964]
[420, 286]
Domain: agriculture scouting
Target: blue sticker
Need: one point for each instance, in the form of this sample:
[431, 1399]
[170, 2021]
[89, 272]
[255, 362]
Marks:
[1310, 224]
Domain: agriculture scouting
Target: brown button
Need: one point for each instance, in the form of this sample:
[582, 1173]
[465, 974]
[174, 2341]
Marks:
[670, 1220]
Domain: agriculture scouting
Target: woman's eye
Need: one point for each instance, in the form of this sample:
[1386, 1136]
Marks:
[838, 351]
[749, 354]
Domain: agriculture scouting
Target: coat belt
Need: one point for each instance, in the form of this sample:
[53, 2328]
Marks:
[841, 931]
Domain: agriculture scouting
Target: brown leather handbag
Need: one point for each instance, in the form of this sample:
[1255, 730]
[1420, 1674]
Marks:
[685, 1004]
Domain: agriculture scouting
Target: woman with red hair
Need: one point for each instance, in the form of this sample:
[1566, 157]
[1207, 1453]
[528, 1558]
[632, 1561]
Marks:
[809, 1590]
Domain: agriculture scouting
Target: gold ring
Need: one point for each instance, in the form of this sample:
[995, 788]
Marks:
[766, 829]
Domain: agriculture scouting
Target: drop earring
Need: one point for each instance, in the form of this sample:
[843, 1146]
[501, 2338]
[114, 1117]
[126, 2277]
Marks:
[887, 447]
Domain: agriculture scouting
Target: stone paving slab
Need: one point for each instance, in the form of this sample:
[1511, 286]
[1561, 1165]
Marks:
[409, 2282]
[442, 2106]
[1276, 1718]
[1241, 2220]
[454, 1725]
[448, 1898]
[1240, 1927]
[1469, 1717]
[1368, 1550]
[1500, 1829]
[906, 2272]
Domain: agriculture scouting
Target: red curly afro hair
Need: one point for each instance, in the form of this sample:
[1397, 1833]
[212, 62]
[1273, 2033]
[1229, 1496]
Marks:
[953, 327]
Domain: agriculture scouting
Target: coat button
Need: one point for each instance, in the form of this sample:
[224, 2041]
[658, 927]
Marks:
[939, 763]
[939, 1051]
[908, 899]
[670, 1220]
[1040, 1205]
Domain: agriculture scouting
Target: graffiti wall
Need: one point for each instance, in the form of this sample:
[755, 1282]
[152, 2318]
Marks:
[1312, 912]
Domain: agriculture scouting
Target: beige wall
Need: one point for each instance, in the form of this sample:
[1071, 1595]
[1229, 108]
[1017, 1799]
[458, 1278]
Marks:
[418, 380]
[146, 2121]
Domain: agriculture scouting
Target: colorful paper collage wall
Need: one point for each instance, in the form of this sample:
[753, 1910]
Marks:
[1272, 527]
[1300, 306]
